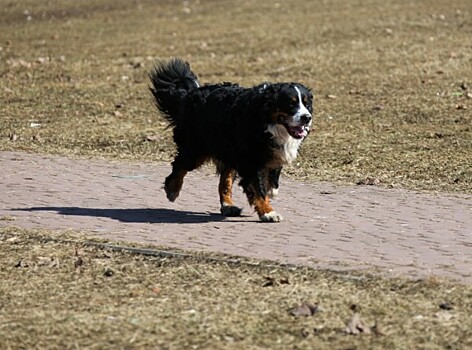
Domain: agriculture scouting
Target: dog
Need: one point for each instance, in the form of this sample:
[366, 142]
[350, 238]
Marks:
[249, 133]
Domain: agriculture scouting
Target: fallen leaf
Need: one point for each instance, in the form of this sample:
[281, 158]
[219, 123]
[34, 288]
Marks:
[21, 263]
[419, 318]
[304, 310]
[446, 306]
[305, 333]
[327, 192]
[108, 272]
[369, 181]
[45, 261]
[356, 326]
[54, 262]
[444, 316]
[152, 138]
[271, 281]
[284, 281]
[42, 60]
[78, 262]
[18, 63]
[331, 97]
[378, 330]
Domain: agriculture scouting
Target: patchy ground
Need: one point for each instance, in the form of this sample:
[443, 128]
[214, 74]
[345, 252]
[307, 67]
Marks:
[59, 292]
[391, 79]
[393, 108]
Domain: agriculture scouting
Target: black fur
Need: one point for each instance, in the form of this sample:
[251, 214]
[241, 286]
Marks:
[225, 123]
[170, 82]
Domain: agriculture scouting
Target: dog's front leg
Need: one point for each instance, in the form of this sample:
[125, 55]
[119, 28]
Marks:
[256, 192]
[273, 180]
[265, 211]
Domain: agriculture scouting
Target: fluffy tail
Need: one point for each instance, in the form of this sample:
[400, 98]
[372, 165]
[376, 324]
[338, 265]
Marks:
[170, 82]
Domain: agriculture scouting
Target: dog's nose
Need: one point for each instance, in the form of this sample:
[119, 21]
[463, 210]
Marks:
[306, 118]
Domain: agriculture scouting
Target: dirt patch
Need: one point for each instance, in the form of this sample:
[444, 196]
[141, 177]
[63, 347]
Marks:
[58, 291]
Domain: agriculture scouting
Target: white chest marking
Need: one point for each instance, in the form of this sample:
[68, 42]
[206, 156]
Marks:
[288, 145]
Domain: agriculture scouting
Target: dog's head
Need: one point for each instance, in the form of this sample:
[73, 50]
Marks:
[289, 105]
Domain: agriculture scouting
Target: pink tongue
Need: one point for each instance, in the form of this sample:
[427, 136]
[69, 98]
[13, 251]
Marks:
[298, 131]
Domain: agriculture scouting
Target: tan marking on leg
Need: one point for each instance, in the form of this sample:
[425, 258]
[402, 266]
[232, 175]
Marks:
[265, 211]
[262, 205]
[225, 187]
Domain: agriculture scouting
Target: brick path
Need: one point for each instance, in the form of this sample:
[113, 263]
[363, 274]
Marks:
[340, 227]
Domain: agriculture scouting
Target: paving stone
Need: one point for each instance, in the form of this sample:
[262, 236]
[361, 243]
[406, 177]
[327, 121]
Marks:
[401, 232]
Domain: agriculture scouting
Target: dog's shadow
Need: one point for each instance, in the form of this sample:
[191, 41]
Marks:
[137, 215]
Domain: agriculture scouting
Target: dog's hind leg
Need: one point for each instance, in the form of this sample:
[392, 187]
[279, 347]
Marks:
[180, 167]
[173, 183]
[225, 189]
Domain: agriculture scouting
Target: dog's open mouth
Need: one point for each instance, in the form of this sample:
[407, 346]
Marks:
[297, 132]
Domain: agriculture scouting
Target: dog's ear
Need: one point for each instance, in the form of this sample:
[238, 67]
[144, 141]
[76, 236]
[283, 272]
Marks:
[270, 93]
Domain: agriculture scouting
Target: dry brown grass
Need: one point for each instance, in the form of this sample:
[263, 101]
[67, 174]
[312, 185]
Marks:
[59, 295]
[392, 83]
[391, 79]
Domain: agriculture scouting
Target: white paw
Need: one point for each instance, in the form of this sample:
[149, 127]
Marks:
[271, 217]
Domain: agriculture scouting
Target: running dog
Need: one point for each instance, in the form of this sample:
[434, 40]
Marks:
[250, 133]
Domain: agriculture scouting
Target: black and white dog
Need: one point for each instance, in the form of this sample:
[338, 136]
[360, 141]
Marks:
[247, 132]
